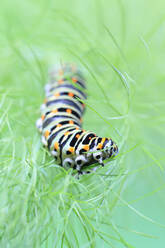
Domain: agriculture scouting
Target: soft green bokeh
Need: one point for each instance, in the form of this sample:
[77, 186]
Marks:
[120, 46]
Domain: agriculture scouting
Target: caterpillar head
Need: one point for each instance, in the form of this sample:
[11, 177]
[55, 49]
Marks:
[110, 150]
[101, 151]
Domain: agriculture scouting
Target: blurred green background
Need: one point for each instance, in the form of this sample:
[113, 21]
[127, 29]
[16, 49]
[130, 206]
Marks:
[120, 46]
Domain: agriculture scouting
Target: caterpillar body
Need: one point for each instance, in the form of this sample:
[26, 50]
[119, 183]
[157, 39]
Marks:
[61, 120]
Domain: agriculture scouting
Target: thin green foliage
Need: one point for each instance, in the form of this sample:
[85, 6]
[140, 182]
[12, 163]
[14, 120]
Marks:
[119, 48]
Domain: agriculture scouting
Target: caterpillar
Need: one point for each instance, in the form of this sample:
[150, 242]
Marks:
[61, 123]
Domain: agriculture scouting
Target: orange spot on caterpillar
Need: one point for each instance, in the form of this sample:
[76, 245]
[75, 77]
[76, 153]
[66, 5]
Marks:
[60, 81]
[54, 110]
[69, 111]
[74, 80]
[77, 128]
[70, 94]
[67, 133]
[57, 94]
[100, 146]
[56, 146]
[46, 134]
[71, 122]
[71, 149]
[86, 147]
[42, 117]
[77, 136]
[59, 125]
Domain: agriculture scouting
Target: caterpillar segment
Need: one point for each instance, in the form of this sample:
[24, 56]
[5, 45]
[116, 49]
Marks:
[61, 123]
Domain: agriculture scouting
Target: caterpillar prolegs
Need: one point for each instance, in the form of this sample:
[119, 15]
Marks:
[60, 123]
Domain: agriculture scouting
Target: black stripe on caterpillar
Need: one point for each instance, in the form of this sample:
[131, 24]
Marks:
[61, 119]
